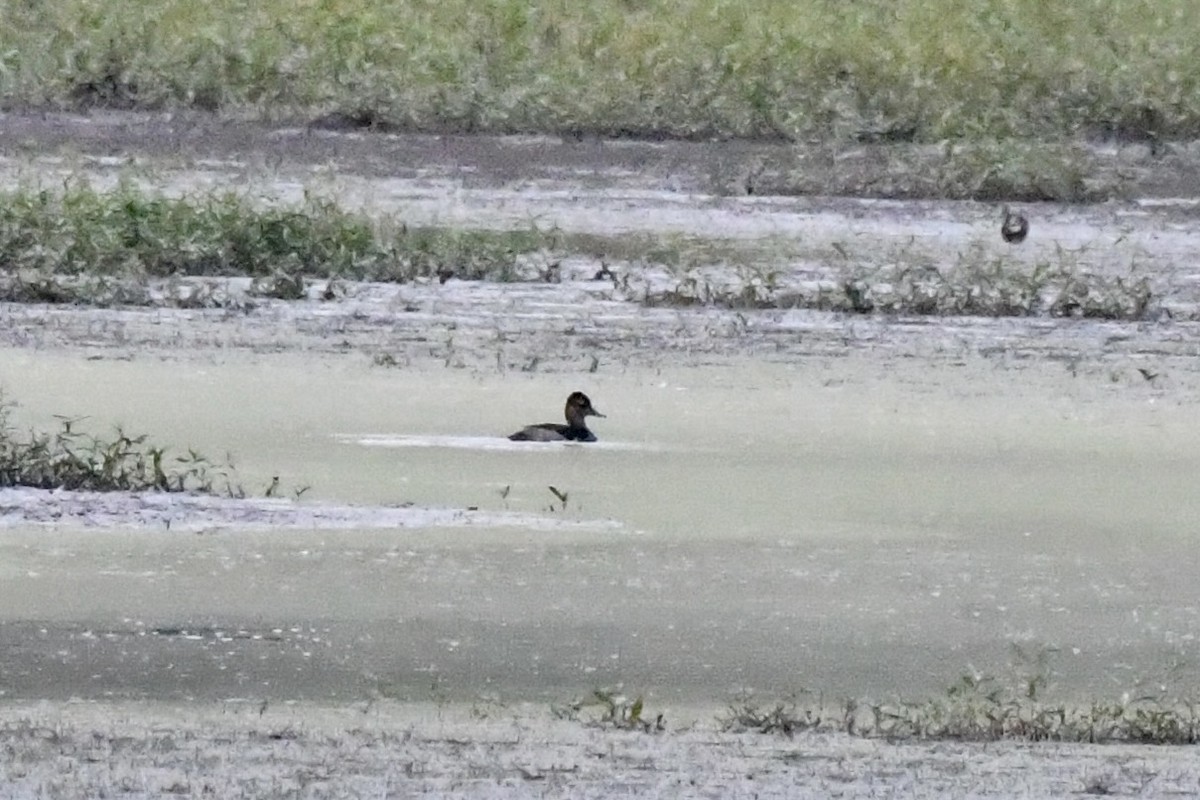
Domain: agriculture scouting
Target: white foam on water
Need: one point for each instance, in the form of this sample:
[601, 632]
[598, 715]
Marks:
[480, 442]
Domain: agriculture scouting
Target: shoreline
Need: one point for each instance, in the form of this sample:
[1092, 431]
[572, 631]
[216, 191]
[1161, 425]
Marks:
[146, 750]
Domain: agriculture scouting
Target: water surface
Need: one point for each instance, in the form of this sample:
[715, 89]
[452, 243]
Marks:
[864, 526]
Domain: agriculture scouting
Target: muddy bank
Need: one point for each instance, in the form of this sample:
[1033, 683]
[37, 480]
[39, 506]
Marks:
[194, 513]
[608, 189]
[198, 140]
[581, 327]
[492, 752]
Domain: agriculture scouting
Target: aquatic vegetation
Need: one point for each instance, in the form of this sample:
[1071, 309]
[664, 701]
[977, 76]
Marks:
[562, 496]
[607, 708]
[993, 287]
[784, 716]
[75, 460]
[977, 710]
[130, 248]
[980, 707]
[975, 707]
[134, 235]
[973, 284]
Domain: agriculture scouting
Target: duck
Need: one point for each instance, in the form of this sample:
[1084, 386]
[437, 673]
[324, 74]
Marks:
[578, 408]
[1015, 227]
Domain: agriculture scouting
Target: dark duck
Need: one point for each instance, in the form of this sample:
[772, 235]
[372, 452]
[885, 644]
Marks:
[578, 409]
[1015, 227]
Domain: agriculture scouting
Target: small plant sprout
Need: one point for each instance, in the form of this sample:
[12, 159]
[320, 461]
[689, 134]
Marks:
[605, 708]
[562, 498]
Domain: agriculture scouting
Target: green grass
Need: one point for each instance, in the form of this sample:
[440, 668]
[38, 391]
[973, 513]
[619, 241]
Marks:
[76, 460]
[975, 283]
[984, 169]
[605, 708]
[135, 249]
[101, 237]
[981, 707]
[975, 707]
[882, 70]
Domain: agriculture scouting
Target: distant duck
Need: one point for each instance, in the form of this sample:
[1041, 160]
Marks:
[579, 407]
[1015, 227]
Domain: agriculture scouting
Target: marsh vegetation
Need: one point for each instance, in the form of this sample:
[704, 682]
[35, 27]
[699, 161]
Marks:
[129, 233]
[980, 708]
[76, 460]
[976, 707]
[876, 70]
[132, 248]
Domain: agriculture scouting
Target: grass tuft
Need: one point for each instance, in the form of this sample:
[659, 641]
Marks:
[605, 708]
[784, 717]
[981, 708]
[74, 460]
[976, 284]
[129, 234]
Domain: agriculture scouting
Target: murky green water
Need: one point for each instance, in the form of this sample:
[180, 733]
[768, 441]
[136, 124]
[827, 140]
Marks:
[864, 526]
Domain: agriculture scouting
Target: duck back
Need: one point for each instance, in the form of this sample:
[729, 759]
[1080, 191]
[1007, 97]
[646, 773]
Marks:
[539, 433]
[553, 432]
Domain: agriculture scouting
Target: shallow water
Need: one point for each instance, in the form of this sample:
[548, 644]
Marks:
[779, 500]
[870, 526]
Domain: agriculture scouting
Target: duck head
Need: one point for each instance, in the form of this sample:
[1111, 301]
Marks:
[1015, 227]
[579, 405]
